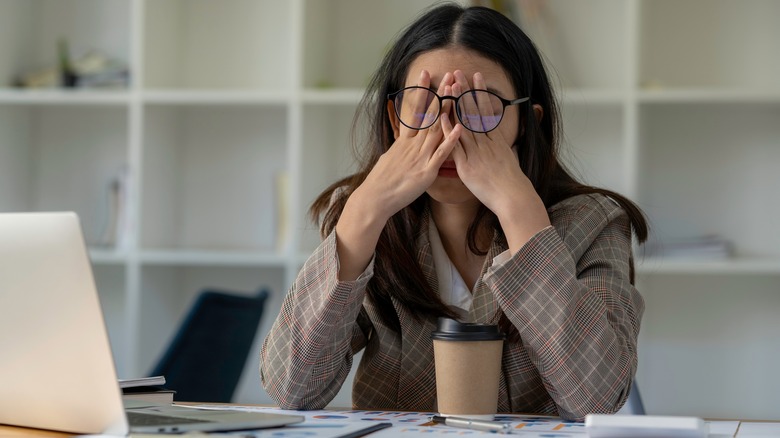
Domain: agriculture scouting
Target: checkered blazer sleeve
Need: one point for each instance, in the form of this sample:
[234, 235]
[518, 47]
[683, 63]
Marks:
[569, 294]
[307, 355]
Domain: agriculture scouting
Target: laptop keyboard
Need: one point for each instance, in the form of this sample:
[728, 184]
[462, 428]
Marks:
[142, 419]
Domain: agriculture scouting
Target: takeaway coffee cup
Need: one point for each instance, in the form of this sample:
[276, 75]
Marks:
[468, 368]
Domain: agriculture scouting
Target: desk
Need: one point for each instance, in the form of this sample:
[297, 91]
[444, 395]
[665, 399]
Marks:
[412, 424]
[11, 431]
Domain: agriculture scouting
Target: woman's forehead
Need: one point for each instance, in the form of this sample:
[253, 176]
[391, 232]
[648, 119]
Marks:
[440, 61]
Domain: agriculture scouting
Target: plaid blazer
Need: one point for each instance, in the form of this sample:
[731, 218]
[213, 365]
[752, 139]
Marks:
[565, 300]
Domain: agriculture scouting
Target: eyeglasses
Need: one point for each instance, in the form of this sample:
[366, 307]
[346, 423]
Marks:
[477, 110]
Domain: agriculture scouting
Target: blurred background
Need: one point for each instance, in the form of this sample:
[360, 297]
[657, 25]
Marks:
[191, 136]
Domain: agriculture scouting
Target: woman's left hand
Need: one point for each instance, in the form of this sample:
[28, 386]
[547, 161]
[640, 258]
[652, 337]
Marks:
[488, 165]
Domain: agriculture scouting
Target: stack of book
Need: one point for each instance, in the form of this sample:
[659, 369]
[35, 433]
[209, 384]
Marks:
[149, 389]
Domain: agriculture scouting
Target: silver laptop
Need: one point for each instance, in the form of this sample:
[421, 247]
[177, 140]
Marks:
[56, 367]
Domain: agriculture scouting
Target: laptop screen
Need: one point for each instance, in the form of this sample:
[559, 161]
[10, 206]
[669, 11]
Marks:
[56, 367]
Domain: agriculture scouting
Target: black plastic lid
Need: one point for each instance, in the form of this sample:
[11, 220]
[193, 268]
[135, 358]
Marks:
[450, 330]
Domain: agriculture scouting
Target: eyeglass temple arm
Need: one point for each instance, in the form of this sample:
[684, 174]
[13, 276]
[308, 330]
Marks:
[516, 101]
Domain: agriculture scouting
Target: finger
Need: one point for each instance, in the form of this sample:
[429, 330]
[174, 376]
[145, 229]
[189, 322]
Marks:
[436, 109]
[491, 110]
[467, 135]
[446, 147]
[433, 137]
[460, 156]
[486, 110]
[461, 79]
[467, 105]
[434, 134]
[441, 107]
[414, 106]
[434, 104]
[447, 107]
[446, 81]
[446, 125]
[458, 153]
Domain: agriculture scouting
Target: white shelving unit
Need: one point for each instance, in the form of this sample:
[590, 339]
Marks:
[674, 103]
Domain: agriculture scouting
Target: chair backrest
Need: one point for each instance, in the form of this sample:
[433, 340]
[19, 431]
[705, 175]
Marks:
[206, 357]
[635, 400]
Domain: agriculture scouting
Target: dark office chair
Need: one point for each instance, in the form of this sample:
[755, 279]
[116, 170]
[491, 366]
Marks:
[205, 359]
[635, 400]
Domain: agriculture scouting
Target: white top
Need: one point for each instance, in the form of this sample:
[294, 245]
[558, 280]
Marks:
[452, 288]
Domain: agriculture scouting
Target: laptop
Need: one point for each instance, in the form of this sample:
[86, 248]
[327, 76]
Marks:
[56, 367]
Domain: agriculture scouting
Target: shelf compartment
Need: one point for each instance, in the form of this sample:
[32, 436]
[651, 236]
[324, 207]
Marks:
[62, 159]
[31, 29]
[110, 282]
[583, 43]
[731, 47]
[592, 146]
[326, 157]
[692, 320]
[335, 58]
[704, 168]
[341, 47]
[210, 177]
[230, 44]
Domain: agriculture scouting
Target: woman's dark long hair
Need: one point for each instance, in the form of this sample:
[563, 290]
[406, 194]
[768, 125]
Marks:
[491, 34]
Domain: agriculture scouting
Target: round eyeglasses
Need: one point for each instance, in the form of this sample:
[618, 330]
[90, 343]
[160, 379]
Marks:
[478, 110]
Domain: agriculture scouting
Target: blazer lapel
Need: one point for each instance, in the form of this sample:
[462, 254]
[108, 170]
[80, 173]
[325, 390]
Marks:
[484, 308]
[425, 253]
[417, 383]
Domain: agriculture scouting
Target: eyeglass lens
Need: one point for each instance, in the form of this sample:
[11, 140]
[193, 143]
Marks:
[477, 110]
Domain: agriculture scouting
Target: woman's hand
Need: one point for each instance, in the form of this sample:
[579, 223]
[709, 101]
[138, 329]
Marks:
[488, 165]
[400, 176]
[412, 162]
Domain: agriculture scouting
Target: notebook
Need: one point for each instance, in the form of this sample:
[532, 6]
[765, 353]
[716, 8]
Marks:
[56, 367]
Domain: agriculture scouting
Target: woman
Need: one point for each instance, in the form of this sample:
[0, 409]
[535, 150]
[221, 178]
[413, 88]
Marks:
[462, 209]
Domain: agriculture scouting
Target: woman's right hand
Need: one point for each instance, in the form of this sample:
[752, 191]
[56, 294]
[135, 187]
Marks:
[411, 164]
[401, 175]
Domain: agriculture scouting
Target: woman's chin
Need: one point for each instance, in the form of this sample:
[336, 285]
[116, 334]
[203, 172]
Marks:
[450, 191]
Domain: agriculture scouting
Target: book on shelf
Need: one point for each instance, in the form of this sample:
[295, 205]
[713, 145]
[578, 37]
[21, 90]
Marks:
[150, 389]
[115, 231]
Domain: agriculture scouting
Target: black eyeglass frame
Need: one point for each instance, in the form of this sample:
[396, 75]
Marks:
[504, 102]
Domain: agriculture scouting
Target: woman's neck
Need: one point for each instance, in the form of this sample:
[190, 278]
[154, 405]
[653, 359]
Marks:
[453, 221]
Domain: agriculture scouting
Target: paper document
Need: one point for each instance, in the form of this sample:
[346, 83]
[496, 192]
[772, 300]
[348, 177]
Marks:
[320, 424]
[759, 430]
[339, 423]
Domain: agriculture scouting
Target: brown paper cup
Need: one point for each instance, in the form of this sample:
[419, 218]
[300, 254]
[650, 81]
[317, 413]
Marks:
[468, 368]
